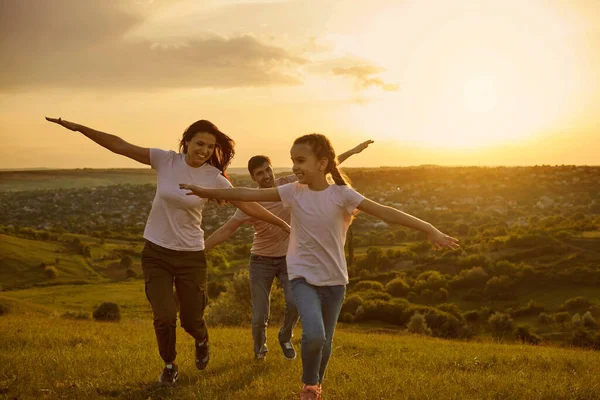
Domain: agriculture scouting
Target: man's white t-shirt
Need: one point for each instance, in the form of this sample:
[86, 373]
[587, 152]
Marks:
[320, 221]
[269, 240]
[175, 218]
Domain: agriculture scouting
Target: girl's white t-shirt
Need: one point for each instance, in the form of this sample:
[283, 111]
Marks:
[175, 218]
[320, 221]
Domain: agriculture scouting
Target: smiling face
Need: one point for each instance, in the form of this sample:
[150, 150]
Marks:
[264, 176]
[200, 148]
[307, 167]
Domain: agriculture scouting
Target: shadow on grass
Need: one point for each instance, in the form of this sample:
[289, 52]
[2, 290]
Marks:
[152, 390]
[191, 380]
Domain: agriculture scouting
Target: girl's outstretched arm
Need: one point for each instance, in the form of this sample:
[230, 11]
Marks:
[257, 211]
[108, 141]
[393, 216]
[233, 194]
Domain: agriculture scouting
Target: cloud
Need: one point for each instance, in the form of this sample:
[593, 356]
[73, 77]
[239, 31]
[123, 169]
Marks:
[363, 75]
[82, 44]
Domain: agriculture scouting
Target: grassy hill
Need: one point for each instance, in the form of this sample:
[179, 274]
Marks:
[48, 358]
[129, 295]
[21, 259]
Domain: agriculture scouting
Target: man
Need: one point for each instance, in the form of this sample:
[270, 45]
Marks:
[267, 256]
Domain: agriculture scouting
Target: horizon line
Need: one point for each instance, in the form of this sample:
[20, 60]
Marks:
[33, 169]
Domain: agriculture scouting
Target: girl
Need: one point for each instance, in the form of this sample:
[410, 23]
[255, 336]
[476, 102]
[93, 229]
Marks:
[174, 247]
[321, 214]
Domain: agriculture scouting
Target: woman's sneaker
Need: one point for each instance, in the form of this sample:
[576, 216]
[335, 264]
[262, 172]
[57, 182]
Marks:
[169, 375]
[288, 350]
[202, 354]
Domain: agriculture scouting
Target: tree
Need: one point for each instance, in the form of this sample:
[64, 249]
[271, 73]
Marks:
[475, 277]
[51, 272]
[351, 304]
[561, 317]
[545, 319]
[418, 325]
[400, 236]
[397, 287]
[575, 303]
[576, 321]
[588, 320]
[107, 312]
[350, 246]
[126, 261]
[368, 285]
[373, 260]
[525, 335]
[501, 324]
[499, 287]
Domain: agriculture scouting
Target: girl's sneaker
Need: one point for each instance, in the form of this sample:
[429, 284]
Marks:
[311, 392]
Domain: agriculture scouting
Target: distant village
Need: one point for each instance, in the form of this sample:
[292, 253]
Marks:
[512, 194]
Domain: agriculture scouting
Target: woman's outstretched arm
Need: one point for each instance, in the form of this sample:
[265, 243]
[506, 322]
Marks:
[108, 141]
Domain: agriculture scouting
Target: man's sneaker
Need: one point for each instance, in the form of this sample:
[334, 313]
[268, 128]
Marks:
[260, 356]
[169, 375]
[311, 392]
[202, 354]
[288, 350]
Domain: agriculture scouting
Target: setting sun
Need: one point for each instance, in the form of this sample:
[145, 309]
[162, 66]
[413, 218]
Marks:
[471, 75]
[479, 95]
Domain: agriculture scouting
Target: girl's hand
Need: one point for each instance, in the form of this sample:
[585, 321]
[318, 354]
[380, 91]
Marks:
[69, 125]
[195, 190]
[440, 239]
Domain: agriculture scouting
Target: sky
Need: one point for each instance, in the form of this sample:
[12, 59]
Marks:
[448, 82]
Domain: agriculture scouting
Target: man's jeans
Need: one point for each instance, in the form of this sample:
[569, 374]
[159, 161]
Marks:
[319, 308]
[262, 272]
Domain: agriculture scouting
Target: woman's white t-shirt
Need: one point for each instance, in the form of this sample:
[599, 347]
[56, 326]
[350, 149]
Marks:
[320, 220]
[175, 218]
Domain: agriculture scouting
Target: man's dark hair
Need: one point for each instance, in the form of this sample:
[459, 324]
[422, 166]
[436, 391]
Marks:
[256, 162]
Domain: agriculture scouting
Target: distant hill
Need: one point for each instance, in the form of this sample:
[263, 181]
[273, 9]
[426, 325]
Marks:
[18, 180]
[21, 263]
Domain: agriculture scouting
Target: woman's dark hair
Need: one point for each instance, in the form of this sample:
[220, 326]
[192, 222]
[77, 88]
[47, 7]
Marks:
[224, 145]
[322, 148]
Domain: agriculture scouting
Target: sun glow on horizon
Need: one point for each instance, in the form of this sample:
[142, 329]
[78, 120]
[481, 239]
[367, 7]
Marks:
[472, 77]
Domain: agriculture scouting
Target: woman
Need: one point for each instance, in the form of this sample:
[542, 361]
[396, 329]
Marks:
[174, 248]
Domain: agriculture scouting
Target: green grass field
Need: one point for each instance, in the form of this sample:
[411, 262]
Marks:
[54, 358]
